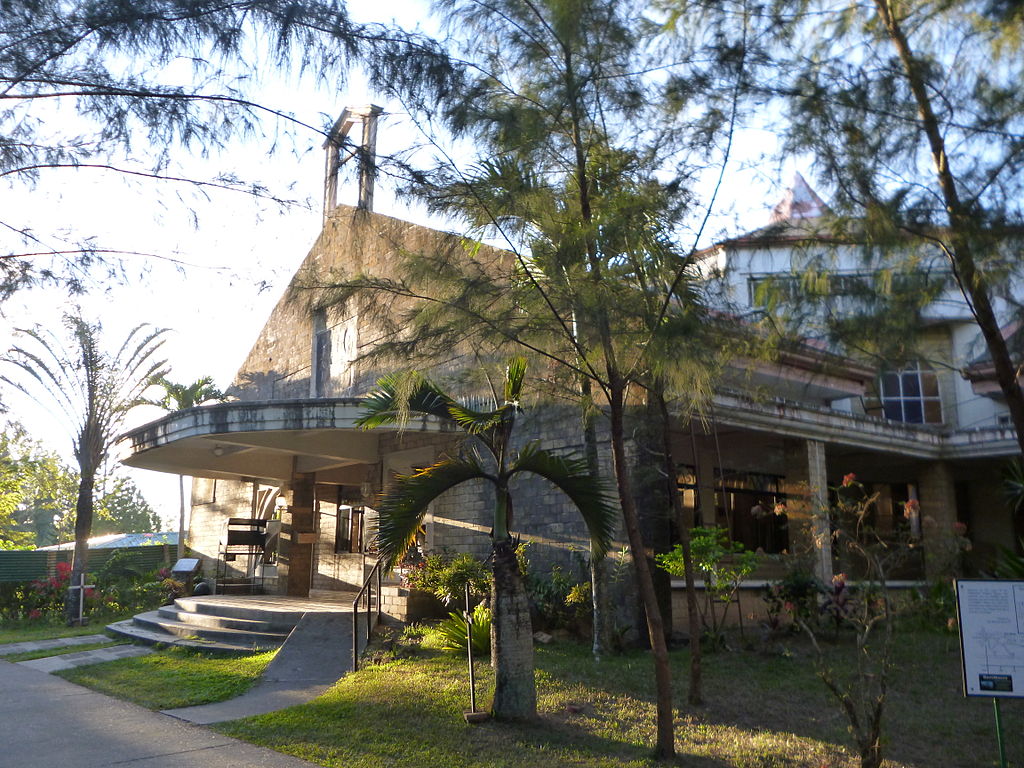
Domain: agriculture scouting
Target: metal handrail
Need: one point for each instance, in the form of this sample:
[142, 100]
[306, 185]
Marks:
[366, 591]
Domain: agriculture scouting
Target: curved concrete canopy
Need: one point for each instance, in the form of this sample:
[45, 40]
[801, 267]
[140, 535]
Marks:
[267, 440]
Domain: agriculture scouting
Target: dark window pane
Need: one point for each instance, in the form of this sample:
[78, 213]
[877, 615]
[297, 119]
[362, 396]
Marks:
[911, 384]
[341, 531]
[890, 384]
[932, 412]
[930, 384]
[912, 412]
[892, 409]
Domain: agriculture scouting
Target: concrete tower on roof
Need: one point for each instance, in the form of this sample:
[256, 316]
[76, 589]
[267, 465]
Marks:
[799, 202]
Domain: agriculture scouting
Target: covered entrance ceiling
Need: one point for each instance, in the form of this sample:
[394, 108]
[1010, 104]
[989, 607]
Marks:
[269, 439]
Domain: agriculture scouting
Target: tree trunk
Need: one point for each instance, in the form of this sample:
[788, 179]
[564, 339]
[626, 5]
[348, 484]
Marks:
[515, 691]
[871, 755]
[83, 529]
[961, 253]
[602, 622]
[651, 490]
[665, 747]
[685, 517]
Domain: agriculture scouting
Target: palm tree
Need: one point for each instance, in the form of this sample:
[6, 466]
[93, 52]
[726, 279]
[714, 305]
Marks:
[487, 456]
[93, 390]
[181, 397]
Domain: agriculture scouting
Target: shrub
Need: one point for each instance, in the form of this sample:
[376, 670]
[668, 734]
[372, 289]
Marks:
[445, 576]
[723, 564]
[558, 600]
[453, 630]
[796, 594]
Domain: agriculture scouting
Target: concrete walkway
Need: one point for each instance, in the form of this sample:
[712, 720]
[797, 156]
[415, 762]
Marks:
[84, 658]
[317, 652]
[49, 645]
[47, 722]
[74, 659]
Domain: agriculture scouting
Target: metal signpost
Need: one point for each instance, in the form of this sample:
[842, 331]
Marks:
[991, 618]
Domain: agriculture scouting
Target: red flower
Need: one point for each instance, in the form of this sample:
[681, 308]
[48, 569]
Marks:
[63, 568]
[35, 613]
[849, 480]
[911, 508]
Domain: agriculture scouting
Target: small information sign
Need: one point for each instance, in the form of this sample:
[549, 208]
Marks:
[991, 614]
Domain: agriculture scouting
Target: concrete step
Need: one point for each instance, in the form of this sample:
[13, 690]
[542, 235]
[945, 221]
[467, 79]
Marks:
[153, 621]
[249, 609]
[174, 613]
[128, 629]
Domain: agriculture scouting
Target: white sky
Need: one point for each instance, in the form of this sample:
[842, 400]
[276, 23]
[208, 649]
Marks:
[242, 250]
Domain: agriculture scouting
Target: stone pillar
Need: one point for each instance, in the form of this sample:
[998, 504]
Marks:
[298, 528]
[937, 495]
[810, 533]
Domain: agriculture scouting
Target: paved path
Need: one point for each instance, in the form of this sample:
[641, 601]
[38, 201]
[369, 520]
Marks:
[315, 655]
[73, 659]
[82, 658]
[47, 722]
[54, 643]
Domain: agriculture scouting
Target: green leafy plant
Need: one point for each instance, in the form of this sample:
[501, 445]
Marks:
[558, 599]
[453, 630]
[723, 564]
[445, 576]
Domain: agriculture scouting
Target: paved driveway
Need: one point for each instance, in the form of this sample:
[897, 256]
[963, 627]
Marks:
[47, 722]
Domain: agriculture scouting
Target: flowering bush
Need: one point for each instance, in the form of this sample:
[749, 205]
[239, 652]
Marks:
[46, 596]
[796, 595]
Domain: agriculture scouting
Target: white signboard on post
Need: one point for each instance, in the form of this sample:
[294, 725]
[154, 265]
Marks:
[991, 614]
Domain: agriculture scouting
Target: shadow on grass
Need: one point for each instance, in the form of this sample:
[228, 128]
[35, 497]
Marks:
[927, 721]
[409, 713]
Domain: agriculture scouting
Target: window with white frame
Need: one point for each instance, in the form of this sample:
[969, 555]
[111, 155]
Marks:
[911, 395]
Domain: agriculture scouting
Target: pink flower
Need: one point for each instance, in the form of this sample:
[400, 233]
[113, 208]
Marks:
[960, 529]
[849, 480]
[911, 508]
[780, 508]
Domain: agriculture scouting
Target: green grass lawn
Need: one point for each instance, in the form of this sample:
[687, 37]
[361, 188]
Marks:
[762, 711]
[173, 677]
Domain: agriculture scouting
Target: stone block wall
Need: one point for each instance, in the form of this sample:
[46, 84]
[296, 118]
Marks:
[353, 242]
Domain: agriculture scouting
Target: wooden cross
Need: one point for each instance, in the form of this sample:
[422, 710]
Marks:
[81, 586]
